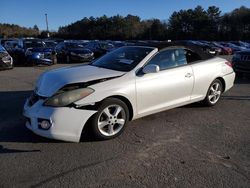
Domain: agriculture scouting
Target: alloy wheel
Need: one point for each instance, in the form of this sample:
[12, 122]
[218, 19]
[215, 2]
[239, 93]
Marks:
[111, 120]
[214, 92]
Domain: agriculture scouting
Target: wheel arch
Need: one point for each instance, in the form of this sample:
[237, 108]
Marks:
[127, 102]
[223, 83]
[95, 107]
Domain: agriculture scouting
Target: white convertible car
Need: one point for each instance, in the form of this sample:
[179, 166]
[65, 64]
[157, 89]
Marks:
[123, 85]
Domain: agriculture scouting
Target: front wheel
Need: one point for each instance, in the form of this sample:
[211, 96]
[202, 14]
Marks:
[214, 93]
[110, 120]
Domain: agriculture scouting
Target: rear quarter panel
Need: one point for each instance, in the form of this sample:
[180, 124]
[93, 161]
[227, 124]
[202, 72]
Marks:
[205, 72]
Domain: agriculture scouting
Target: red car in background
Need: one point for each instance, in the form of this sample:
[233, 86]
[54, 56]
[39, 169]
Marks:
[224, 50]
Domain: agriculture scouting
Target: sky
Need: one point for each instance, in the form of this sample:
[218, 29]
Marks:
[63, 12]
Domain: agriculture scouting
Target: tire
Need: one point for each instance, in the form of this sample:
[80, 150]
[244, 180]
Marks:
[105, 123]
[214, 93]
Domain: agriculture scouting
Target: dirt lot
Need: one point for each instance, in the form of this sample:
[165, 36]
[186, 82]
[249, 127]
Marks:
[191, 146]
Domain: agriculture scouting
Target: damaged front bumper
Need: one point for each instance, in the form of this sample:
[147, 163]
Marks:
[67, 123]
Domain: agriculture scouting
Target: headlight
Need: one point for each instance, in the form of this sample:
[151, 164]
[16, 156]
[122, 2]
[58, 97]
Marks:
[40, 55]
[68, 97]
[6, 59]
[73, 53]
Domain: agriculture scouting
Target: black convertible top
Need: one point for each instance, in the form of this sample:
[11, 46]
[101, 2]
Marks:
[203, 53]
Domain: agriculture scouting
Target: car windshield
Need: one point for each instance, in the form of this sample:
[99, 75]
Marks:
[123, 59]
[50, 44]
[34, 44]
[75, 45]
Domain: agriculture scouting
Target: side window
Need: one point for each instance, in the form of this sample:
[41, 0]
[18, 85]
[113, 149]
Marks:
[192, 56]
[180, 57]
[169, 58]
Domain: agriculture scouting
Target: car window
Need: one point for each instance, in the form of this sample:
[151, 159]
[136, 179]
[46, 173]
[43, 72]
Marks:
[192, 56]
[169, 58]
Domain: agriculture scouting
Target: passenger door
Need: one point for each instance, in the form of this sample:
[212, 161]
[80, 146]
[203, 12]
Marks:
[170, 87]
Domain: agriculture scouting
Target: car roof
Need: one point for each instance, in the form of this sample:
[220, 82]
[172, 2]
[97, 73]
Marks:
[179, 44]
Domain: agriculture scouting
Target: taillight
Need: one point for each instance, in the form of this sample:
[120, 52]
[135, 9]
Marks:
[229, 64]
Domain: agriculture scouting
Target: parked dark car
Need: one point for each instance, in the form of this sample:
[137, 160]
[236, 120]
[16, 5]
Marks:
[73, 52]
[32, 52]
[241, 44]
[205, 47]
[99, 48]
[241, 62]
[234, 47]
[6, 61]
[50, 43]
[212, 47]
[118, 44]
[36, 52]
[224, 50]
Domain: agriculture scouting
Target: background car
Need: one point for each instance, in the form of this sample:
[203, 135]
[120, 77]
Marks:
[50, 43]
[31, 51]
[36, 52]
[241, 44]
[224, 50]
[73, 52]
[100, 47]
[205, 47]
[241, 62]
[6, 61]
[234, 47]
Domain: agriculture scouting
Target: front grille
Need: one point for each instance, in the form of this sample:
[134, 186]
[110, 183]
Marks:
[245, 57]
[34, 98]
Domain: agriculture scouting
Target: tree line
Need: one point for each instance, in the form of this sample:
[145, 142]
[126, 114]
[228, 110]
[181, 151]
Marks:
[13, 30]
[197, 23]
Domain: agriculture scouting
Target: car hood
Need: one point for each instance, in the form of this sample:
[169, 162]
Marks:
[50, 82]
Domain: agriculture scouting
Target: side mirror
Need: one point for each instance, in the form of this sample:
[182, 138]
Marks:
[151, 69]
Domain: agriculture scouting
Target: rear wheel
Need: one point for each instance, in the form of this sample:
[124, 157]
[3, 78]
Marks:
[214, 93]
[110, 120]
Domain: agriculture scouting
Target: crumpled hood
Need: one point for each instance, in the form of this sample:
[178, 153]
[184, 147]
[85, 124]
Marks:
[50, 82]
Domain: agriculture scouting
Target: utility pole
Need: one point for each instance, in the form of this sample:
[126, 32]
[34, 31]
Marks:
[47, 24]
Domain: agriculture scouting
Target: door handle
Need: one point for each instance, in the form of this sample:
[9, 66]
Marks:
[188, 75]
